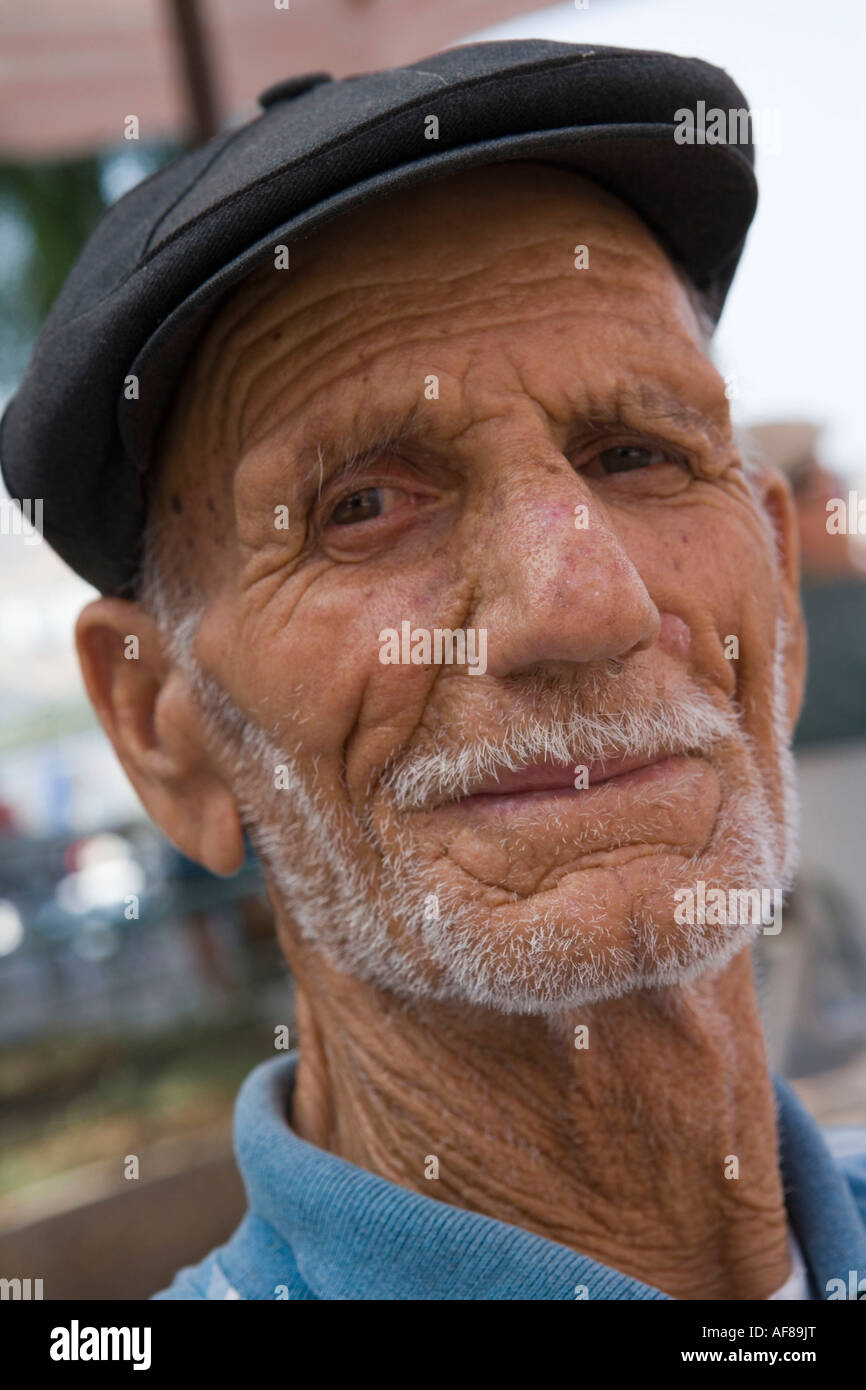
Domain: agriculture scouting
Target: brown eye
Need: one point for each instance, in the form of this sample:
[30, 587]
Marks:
[624, 458]
[359, 506]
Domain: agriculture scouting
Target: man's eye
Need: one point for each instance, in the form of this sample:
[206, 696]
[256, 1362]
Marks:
[365, 505]
[623, 458]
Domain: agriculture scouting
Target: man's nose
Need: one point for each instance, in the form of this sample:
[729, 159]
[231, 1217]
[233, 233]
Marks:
[556, 582]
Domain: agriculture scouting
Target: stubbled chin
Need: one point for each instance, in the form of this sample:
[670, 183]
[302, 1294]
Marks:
[592, 931]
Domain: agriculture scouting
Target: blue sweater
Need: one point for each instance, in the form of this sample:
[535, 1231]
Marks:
[321, 1228]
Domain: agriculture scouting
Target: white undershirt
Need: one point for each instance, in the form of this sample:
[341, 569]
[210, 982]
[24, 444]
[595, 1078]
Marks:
[796, 1286]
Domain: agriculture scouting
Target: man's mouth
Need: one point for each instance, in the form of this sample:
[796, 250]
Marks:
[553, 776]
[541, 781]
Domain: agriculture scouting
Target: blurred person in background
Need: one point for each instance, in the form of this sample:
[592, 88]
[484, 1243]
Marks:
[817, 1015]
[833, 586]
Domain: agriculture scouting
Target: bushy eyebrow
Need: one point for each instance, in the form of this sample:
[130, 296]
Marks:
[670, 408]
[351, 446]
[646, 405]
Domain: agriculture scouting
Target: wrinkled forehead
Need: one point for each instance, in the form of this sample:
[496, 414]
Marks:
[464, 223]
[512, 229]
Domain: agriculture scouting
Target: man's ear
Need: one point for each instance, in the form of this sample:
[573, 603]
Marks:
[146, 706]
[778, 503]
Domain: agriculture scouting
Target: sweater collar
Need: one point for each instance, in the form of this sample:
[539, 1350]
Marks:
[351, 1234]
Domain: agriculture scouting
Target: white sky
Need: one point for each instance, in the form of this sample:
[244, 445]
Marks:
[793, 327]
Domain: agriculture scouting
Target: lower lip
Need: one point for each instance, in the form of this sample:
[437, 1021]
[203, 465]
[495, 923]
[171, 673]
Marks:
[555, 797]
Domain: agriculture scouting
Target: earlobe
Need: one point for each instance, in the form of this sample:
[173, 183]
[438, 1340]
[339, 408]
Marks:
[148, 711]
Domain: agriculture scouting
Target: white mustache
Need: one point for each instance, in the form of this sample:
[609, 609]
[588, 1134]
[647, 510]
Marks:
[681, 724]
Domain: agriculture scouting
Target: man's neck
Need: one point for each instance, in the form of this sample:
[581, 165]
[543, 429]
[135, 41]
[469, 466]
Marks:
[651, 1147]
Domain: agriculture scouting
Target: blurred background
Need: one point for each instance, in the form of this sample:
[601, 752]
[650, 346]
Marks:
[136, 991]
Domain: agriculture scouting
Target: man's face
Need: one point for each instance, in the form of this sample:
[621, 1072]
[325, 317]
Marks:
[435, 417]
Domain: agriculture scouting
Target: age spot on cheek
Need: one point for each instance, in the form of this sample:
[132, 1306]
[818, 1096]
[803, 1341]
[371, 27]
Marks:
[675, 636]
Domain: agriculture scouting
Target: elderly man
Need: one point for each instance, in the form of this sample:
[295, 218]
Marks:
[407, 469]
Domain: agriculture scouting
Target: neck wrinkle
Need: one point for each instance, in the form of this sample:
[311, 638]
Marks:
[618, 1151]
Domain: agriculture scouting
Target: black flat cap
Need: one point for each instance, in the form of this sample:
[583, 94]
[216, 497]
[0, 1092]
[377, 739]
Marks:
[162, 257]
